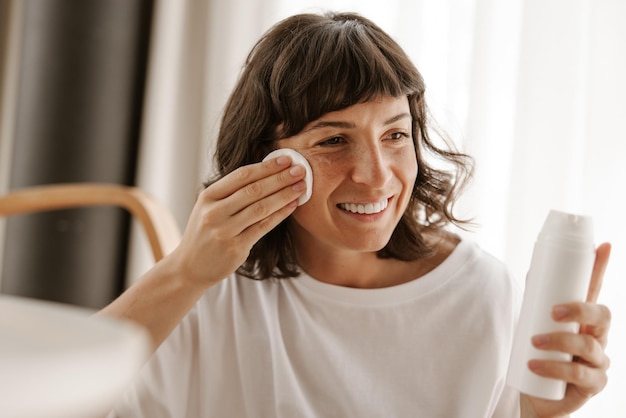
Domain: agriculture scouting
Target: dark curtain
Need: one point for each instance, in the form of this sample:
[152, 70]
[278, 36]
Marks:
[82, 74]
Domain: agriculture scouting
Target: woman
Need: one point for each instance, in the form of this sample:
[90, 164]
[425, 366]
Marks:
[364, 303]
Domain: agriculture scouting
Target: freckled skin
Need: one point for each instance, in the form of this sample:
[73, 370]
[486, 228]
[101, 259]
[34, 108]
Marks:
[323, 162]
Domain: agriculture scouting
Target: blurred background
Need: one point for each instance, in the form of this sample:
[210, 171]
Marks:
[131, 91]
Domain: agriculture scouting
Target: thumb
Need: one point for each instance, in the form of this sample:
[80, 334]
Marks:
[603, 253]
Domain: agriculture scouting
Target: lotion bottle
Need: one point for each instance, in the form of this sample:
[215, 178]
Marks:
[560, 272]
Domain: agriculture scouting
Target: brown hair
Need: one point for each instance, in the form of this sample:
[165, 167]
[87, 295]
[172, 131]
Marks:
[306, 66]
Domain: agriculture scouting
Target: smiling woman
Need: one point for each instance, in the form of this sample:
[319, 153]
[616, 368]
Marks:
[363, 297]
[533, 90]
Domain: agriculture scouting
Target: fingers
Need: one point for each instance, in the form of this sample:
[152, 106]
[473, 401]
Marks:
[588, 345]
[587, 380]
[264, 205]
[595, 319]
[587, 372]
[261, 217]
[252, 193]
[254, 198]
[585, 348]
[603, 253]
[246, 175]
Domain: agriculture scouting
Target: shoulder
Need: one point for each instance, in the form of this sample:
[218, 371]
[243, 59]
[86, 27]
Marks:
[463, 253]
[485, 261]
[483, 271]
[236, 293]
[469, 255]
[491, 279]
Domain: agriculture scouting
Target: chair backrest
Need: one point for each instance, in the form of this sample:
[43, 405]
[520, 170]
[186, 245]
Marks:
[161, 229]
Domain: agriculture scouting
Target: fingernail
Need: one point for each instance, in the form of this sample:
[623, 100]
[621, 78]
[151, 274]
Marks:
[299, 186]
[540, 340]
[560, 312]
[296, 170]
[282, 160]
[534, 364]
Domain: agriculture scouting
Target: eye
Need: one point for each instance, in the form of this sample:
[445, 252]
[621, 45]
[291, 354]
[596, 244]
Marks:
[398, 136]
[334, 141]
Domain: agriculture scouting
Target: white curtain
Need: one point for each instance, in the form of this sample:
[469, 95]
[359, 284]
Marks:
[10, 44]
[534, 90]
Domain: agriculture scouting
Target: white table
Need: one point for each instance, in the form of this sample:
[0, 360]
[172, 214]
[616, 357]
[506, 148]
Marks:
[61, 361]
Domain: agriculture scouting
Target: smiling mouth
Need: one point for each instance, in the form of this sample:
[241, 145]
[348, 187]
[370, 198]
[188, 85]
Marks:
[364, 208]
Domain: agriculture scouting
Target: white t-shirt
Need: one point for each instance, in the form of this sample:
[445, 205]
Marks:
[437, 346]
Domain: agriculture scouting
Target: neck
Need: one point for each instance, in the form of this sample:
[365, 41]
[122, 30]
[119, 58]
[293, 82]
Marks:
[365, 270]
[350, 270]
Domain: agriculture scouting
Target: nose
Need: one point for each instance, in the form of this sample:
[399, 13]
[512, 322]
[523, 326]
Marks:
[371, 167]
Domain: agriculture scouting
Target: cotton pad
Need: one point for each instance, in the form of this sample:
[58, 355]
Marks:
[297, 159]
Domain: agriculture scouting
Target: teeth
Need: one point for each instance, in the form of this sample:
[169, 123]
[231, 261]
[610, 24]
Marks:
[364, 208]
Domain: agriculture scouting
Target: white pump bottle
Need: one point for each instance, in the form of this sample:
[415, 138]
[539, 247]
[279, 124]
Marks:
[560, 272]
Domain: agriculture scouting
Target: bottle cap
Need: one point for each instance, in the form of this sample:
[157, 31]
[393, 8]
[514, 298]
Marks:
[567, 227]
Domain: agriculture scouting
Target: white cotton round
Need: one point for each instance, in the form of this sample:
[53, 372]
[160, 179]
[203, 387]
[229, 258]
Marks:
[297, 159]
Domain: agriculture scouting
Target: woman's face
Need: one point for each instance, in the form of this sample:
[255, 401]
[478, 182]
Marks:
[364, 168]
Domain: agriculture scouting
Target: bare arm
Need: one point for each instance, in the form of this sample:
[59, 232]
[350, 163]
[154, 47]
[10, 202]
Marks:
[158, 301]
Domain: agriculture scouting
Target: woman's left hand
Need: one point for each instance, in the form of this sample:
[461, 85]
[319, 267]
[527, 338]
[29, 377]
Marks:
[586, 374]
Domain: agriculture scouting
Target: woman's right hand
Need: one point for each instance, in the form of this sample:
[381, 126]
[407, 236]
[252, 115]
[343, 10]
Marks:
[232, 214]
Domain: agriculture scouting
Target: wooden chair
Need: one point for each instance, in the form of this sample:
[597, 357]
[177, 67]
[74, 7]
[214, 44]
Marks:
[81, 341]
[160, 227]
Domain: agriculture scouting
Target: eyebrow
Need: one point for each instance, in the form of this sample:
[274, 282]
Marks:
[350, 125]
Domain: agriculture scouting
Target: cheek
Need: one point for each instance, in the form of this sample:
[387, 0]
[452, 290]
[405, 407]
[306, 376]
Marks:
[326, 173]
[409, 164]
[404, 163]
[413, 170]
[406, 173]
[325, 163]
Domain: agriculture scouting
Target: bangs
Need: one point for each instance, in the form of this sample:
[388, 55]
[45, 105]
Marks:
[351, 63]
